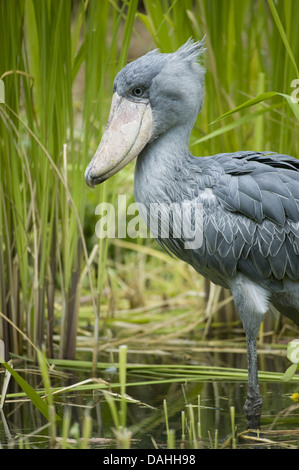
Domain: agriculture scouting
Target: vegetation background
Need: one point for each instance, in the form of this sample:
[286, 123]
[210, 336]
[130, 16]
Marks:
[60, 285]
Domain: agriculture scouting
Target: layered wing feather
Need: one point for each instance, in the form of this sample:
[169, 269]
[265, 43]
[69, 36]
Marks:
[250, 216]
[258, 197]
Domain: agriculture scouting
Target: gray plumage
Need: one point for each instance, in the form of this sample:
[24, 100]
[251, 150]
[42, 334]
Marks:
[250, 200]
[250, 214]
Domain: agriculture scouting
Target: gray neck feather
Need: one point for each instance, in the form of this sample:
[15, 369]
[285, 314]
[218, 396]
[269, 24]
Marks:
[156, 164]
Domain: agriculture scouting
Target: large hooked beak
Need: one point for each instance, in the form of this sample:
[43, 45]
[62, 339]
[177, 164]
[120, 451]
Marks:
[129, 129]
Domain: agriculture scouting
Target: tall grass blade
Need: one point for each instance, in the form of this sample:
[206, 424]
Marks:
[258, 99]
[41, 405]
[2, 91]
[232, 417]
[123, 381]
[86, 430]
[283, 35]
[66, 423]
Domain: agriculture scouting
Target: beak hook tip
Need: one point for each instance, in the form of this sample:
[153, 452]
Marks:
[89, 180]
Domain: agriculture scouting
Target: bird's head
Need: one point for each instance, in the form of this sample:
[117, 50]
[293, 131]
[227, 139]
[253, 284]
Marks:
[150, 96]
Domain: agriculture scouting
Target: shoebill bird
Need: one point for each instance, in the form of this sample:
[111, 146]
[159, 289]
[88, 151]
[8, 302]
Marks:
[249, 219]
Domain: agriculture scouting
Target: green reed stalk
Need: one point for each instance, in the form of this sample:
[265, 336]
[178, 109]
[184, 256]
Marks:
[49, 50]
[66, 423]
[166, 415]
[86, 430]
[198, 418]
[232, 417]
[193, 427]
[122, 380]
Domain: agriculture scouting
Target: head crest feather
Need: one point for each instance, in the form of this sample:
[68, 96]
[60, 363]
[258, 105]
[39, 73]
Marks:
[192, 49]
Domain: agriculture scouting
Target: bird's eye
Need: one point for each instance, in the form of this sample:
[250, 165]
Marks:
[138, 91]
